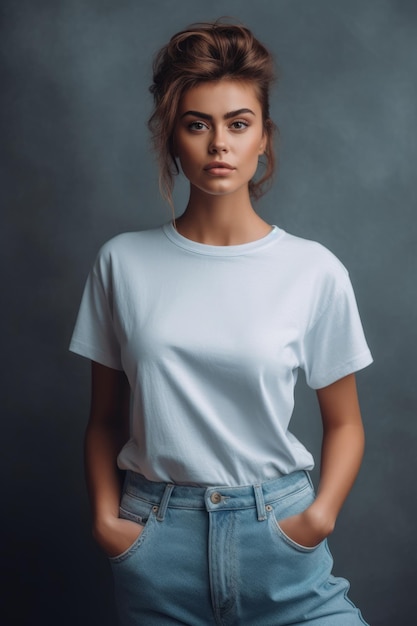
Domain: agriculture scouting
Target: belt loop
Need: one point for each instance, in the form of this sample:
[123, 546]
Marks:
[164, 502]
[260, 503]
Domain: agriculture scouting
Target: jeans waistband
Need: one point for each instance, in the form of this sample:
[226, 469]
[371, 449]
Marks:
[215, 498]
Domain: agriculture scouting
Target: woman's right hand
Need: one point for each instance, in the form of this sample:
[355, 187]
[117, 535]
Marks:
[116, 535]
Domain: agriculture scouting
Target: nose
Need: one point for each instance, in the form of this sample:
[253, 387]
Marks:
[218, 142]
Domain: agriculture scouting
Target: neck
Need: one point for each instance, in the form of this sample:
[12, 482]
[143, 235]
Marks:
[221, 220]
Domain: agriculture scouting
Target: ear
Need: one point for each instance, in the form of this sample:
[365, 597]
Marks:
[262, 144]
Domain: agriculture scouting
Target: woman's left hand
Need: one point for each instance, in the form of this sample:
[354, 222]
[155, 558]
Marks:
[308, 528]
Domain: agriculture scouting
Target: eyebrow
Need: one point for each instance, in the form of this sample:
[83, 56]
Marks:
[226, 116]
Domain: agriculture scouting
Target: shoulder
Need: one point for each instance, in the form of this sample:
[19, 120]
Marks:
[312, 259]
[128, 247]
[126, 255]
[126, 242]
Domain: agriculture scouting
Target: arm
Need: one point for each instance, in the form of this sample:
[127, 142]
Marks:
[106, 432]
[342, 451]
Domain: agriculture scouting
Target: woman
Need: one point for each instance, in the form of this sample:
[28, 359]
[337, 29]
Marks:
[202, 325]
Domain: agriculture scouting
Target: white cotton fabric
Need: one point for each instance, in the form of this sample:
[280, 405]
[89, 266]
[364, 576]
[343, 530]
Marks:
[211, 339]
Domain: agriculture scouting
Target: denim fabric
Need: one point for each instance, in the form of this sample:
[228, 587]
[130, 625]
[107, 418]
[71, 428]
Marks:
[217, 556]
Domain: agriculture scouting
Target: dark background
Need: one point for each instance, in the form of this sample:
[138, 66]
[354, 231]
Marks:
[77, 168]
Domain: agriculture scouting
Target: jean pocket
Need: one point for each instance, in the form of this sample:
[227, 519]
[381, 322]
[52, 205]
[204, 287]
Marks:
[132, 517]
[143, 514]
[291, 542]
[293, 504]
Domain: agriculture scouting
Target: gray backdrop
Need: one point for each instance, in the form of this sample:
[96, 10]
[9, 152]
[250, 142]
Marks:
[77, 169]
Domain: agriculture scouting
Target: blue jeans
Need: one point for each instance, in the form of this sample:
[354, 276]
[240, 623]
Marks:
[217, 556]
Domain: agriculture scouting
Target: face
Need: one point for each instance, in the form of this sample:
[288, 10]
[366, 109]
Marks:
[219, 136]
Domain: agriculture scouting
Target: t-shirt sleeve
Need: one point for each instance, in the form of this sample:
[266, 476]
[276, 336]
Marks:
[94, 335]
[335, 345]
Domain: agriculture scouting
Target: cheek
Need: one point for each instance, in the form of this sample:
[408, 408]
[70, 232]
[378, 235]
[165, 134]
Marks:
[180, 145]
[186, 159]
[254, 150]
[187, 162]
[185, 151]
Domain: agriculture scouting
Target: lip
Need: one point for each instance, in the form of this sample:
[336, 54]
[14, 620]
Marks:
[218, 165]
[219, 169]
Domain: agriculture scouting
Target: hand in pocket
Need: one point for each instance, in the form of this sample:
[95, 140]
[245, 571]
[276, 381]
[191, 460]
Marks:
[303, 529]
[118, 535]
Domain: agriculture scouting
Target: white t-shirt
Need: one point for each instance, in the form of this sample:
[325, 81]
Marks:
[211, 339]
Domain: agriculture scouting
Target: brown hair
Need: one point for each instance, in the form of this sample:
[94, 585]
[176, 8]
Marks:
[201, 53]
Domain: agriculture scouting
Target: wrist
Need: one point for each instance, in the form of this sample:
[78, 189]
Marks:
[321, 517]
[102, 525]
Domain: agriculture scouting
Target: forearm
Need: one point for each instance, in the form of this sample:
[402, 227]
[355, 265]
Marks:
[342, 452]
[102, 444]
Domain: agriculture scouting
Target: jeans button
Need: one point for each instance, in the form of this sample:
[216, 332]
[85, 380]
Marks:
[215, 497]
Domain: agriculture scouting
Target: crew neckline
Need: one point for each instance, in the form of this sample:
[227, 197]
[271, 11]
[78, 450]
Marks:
[208, 249]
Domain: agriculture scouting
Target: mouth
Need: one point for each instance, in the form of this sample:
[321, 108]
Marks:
[217, 165]
[219, 168]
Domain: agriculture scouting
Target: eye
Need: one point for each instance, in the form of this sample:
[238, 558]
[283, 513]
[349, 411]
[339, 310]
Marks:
[198, 126]
[239, 125]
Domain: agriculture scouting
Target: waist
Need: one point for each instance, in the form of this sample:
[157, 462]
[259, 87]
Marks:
[213, 497]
